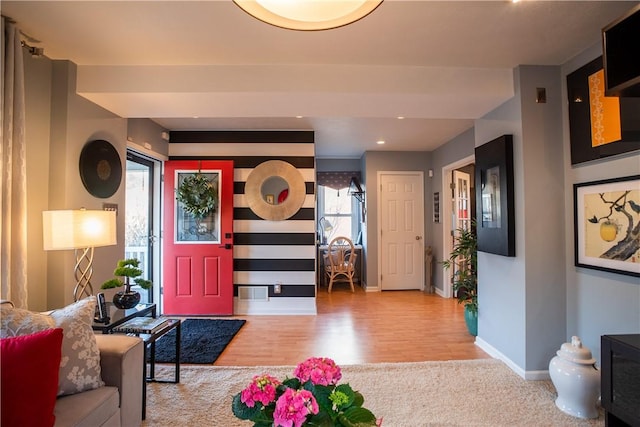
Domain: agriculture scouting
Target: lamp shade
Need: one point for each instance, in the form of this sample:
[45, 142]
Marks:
[308, 15]
[74, 229]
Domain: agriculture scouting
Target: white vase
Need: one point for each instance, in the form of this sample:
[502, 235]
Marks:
[576, 380]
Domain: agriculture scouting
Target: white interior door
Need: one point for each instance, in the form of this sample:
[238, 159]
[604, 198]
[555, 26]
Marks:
[401, 218]
[461, 200]
[449, 217]
[461, 208]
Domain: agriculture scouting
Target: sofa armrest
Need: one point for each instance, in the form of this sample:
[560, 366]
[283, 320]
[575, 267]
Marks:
[121, 359]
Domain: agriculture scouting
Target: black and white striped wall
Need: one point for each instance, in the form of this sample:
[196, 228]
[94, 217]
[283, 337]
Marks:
[265, 253]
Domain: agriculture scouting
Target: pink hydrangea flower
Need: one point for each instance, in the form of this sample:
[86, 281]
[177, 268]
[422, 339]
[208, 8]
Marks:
[320, 370]
[261, 389]
[293, 407]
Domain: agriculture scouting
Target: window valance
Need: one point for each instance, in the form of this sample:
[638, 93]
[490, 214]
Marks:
[336, 180]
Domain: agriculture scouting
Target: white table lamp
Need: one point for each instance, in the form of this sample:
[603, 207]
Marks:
[81, 230]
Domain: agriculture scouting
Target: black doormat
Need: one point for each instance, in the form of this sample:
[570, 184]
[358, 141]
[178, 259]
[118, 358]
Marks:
[203, 340]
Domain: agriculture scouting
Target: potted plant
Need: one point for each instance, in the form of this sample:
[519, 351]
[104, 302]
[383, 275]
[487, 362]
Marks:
[464, 257]
[127, 269]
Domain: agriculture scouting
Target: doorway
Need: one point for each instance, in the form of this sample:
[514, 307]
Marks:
[140, 221]
[458, 180]
[401, 230]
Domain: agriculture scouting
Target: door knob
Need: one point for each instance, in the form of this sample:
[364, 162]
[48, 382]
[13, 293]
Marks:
[418, 237]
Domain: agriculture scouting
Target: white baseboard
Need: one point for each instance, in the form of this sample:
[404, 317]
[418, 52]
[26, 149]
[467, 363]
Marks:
[276, 306]
[527, 375]
[440, 292]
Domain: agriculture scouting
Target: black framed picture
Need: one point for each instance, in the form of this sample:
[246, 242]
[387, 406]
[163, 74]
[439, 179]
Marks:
[606, 225]
[599, 126]
[495, 219]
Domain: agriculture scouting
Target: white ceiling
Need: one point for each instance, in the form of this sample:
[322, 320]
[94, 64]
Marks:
[207, 65]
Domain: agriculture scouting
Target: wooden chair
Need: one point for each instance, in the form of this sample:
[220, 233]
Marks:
[340, 260]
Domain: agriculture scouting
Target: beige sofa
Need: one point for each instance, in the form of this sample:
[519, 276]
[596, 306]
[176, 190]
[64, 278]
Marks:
[119, 402]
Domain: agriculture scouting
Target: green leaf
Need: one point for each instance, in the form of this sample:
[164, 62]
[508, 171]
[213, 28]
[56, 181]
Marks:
[358, 399]
[322, 419]
[357, 417]
[242, 411]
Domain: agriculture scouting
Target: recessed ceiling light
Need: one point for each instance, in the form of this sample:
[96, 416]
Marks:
[298, 117]
[380, 142]
[400, 117]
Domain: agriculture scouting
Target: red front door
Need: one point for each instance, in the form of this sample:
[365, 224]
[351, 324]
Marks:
[198, 253]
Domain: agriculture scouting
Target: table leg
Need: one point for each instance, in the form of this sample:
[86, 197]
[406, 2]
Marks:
[152, 360]
[144, 382]
[178, 341]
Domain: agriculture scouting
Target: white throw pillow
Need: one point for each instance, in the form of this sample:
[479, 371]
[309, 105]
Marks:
[80, 363]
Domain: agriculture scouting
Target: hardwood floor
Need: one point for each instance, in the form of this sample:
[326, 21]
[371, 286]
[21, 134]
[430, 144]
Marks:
[360, 327]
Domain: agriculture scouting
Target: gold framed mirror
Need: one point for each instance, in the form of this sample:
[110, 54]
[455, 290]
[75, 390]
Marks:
[275, 190]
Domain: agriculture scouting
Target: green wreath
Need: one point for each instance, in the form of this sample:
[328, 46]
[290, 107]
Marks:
[198, 195]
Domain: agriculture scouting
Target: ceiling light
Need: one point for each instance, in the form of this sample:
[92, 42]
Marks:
[308, 15]
[400, 117]
[380, 142]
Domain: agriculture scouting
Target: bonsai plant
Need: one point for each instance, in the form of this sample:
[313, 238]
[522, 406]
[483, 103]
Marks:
[464, 257]
[127, 269]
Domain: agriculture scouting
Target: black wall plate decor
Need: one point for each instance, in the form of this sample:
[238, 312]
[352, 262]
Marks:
[100, 168]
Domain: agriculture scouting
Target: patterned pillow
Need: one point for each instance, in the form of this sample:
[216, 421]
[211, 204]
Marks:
[80, 363]
[15, 322]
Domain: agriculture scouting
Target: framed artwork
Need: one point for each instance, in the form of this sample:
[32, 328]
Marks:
[436, 207]
[599, 126]
[495, 221]
[607, 225]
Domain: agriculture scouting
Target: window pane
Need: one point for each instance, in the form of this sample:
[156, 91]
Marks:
[341, 227]
[337, 212]
[334, 204]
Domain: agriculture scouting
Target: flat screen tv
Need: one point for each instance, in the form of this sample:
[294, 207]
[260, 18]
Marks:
[621, 55]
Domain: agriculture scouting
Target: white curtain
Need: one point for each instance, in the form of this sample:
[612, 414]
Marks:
[13, 180]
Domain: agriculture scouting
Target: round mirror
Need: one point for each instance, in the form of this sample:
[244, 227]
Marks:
[275, 190]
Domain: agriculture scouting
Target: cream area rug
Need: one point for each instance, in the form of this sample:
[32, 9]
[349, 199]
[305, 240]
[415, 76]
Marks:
[453, 393]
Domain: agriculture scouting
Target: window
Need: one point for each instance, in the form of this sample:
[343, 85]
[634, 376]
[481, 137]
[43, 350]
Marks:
[337, 213]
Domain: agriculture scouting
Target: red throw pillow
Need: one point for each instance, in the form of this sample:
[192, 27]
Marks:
[29, 366]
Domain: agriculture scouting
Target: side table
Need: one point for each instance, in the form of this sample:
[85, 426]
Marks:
[150, 355]
[119, 316]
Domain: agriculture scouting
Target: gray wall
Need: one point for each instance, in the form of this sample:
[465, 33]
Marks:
[522, 299]
[376, 161]
[458, 148]
[38, 124]
[337, 165]
[58, 124]
[598, 303]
